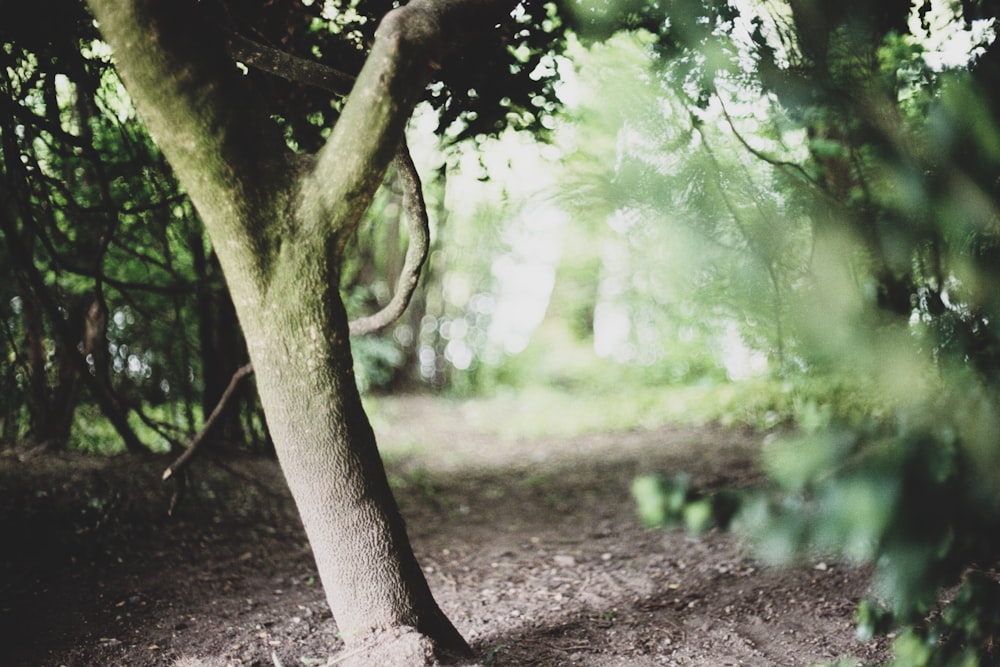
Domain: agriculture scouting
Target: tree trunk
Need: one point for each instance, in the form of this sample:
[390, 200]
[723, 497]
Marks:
[38, 379]
[328, 453]
[279, 224]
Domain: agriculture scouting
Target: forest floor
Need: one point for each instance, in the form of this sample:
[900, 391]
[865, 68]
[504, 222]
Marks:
[531, 546]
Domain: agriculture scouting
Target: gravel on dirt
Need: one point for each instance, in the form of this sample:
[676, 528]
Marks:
[531, 546]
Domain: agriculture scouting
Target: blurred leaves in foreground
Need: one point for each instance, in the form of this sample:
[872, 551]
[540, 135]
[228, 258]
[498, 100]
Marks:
[898, 186]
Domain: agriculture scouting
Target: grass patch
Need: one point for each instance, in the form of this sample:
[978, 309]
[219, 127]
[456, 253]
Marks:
[539, 411]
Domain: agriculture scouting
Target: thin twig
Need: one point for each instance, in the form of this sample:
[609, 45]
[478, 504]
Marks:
[794, 171]
[192, 446]
[180, 490]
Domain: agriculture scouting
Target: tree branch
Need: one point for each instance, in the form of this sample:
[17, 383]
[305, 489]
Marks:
[415, 215]
[794, 172]
[410, 44]
[192, 446]
[316, 74]
[287, 66]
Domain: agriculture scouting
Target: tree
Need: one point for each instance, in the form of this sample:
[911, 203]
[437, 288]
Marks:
[118, 311]
[280, 223]
[33, 183]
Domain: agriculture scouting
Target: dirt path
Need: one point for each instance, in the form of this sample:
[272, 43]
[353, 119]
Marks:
[531, 547]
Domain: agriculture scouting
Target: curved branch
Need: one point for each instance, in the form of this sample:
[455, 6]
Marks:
[410, 44]
[415, 216]
[795, 172]
[312, 73]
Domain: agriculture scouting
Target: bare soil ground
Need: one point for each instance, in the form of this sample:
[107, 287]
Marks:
[531, 547]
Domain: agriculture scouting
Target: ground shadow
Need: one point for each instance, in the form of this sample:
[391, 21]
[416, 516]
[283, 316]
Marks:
[533, 550]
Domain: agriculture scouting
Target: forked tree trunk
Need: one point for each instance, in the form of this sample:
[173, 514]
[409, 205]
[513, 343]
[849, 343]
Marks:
[280, 224]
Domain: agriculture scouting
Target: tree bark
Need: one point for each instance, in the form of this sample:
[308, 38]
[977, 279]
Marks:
[280, 224]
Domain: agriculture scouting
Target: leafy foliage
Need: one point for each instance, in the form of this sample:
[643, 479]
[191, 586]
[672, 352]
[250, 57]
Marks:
[898, 188]
[675, 503]
[107, 234]
[492, 85]
[112, 291]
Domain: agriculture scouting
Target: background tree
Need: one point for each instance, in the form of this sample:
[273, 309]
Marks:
[113, 289]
